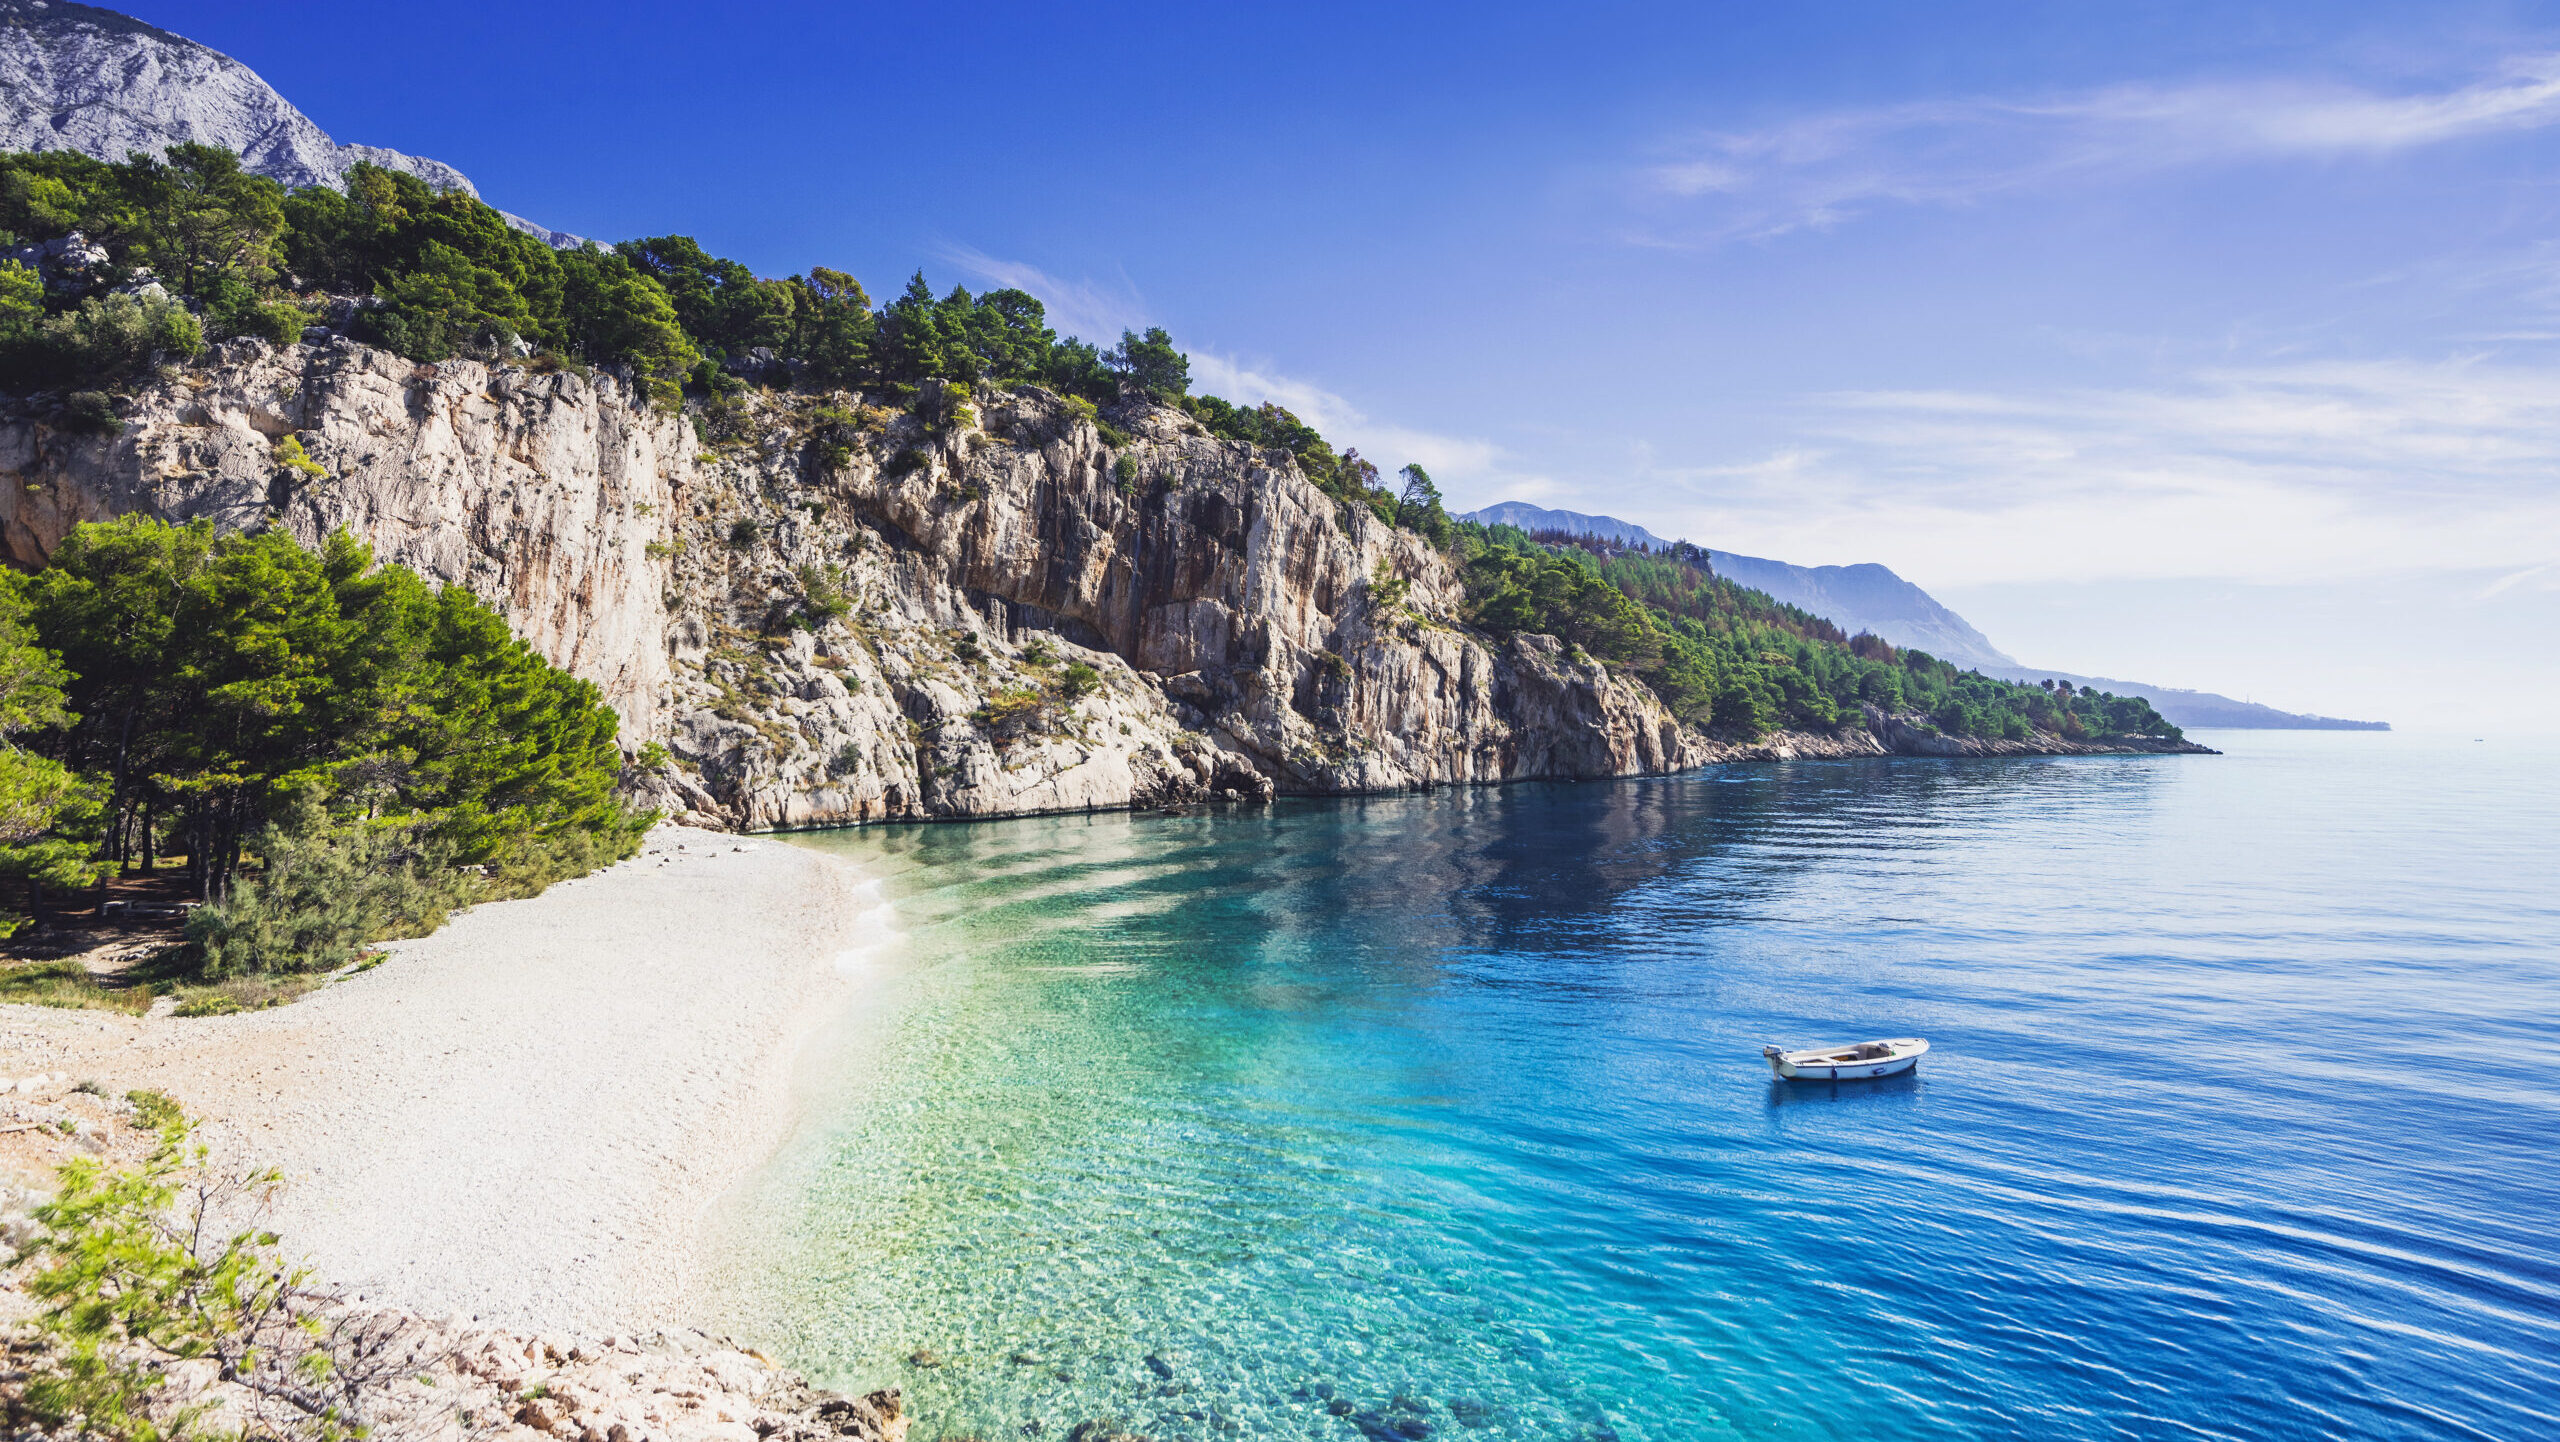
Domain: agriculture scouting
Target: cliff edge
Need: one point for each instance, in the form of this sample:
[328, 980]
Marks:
[828, 611]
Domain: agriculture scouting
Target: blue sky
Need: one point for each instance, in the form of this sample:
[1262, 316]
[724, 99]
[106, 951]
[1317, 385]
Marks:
[2216, 345]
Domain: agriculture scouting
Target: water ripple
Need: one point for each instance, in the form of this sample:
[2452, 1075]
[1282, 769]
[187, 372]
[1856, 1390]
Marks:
[1441, 1116]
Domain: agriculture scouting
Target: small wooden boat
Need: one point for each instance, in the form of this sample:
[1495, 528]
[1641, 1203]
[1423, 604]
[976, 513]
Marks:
[1855, 1061]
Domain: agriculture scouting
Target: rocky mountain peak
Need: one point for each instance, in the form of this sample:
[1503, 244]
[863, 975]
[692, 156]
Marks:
[76, 77]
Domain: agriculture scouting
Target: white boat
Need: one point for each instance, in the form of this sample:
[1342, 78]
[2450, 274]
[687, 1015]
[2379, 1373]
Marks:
[1851, 1061]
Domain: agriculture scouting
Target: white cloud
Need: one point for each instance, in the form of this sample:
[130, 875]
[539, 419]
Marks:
[1470, 472]
[1085, 309]
[2277, 474]
[1820, 170]
[1463, 467]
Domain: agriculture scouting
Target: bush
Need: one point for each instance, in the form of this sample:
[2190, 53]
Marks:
[822, 596]
[290, 456]
[1081, 680]
[744, 532]
[110, 338]
[1013, 713]
[325, 892]
[141, 1268]
[91, 413]
[233, 307]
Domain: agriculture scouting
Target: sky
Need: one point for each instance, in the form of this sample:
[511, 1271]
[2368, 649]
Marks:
[2213, 345]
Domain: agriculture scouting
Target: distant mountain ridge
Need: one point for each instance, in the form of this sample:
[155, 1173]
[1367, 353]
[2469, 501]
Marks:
[1865, 597]
[2193, 708]
[76, 77]
[1869, 597]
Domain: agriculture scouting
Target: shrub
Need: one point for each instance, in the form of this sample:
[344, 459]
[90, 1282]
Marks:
[1125, 471]
[1015, 712]
[326, 891]
[113, 337]
[744, 532]
[91, 413]
[1080, 680]
[233, 307]
[141, 1268]
[822, 596]
[290, 456]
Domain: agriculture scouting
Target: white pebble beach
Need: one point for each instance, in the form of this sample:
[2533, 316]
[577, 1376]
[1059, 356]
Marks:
[531, 1116]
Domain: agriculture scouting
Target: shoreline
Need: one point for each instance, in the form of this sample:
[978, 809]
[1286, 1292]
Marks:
[532, 1116]
[1906, 744]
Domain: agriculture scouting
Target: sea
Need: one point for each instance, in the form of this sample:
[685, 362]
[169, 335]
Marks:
[1444, 1116]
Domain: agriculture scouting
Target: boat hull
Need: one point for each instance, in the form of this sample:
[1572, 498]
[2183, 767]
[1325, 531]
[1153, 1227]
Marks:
[1815, 1066]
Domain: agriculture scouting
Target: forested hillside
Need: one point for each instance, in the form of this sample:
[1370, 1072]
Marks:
[1731, 660]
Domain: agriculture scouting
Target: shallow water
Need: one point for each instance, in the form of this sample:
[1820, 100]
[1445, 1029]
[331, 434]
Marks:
[1442, 1115]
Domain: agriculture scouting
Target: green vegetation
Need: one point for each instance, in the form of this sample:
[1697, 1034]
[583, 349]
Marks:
[139, 1269]
[1731, 660]
[445, 275]
[340, 752]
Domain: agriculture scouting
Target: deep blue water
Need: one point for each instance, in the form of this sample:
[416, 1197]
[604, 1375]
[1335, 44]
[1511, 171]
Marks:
[1445, 1111]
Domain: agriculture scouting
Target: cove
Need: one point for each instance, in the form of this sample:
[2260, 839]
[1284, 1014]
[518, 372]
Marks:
[1442, 1115]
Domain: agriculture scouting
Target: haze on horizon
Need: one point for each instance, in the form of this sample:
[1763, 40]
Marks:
[2216, 346]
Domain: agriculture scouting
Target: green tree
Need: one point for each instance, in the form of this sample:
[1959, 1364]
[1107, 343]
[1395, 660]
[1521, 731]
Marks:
[916, 339]
[218, 676]
[443, 304]
[200, 217]
[1151, 363]
[613, 313]
[112, 338]
[831, 326]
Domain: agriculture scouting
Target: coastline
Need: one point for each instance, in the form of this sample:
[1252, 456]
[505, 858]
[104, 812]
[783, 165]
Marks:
[529, 1117]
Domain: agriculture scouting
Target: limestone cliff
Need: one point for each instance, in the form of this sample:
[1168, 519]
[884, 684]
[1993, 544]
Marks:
[837, 612]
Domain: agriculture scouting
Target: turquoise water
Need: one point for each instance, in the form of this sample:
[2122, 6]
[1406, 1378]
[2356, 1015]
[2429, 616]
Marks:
[1442, 1116]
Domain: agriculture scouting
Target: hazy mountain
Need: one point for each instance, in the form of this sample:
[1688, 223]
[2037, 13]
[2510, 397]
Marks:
[2193, 708]
[75, 77]
[1871, 598]
[1858, 598]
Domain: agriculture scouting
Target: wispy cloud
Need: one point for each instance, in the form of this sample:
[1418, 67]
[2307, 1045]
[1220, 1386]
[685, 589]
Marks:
[1466, 468]
[2299, 473]
[1096, 311]
[1818, 171]
[1469, 470]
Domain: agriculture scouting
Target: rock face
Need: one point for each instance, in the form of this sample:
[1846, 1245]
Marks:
[842, 613]
[829, 611]
[75, 77]
[535, 491]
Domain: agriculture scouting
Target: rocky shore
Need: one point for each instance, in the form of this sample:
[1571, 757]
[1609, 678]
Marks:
[446, 1380]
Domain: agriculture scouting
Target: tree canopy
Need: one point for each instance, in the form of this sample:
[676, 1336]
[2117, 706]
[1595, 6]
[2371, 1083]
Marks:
[205, 686]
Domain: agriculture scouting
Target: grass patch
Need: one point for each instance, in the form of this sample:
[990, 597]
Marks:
[69, 984]
[153, 1110]
[244, 993]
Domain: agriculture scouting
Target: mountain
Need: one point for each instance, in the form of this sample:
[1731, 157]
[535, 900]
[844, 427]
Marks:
[1871, 598]
[2193, 708]
[75, 77]
[1857, 598]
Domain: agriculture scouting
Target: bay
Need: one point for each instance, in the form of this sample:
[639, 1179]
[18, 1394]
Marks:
[1442, 1115]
